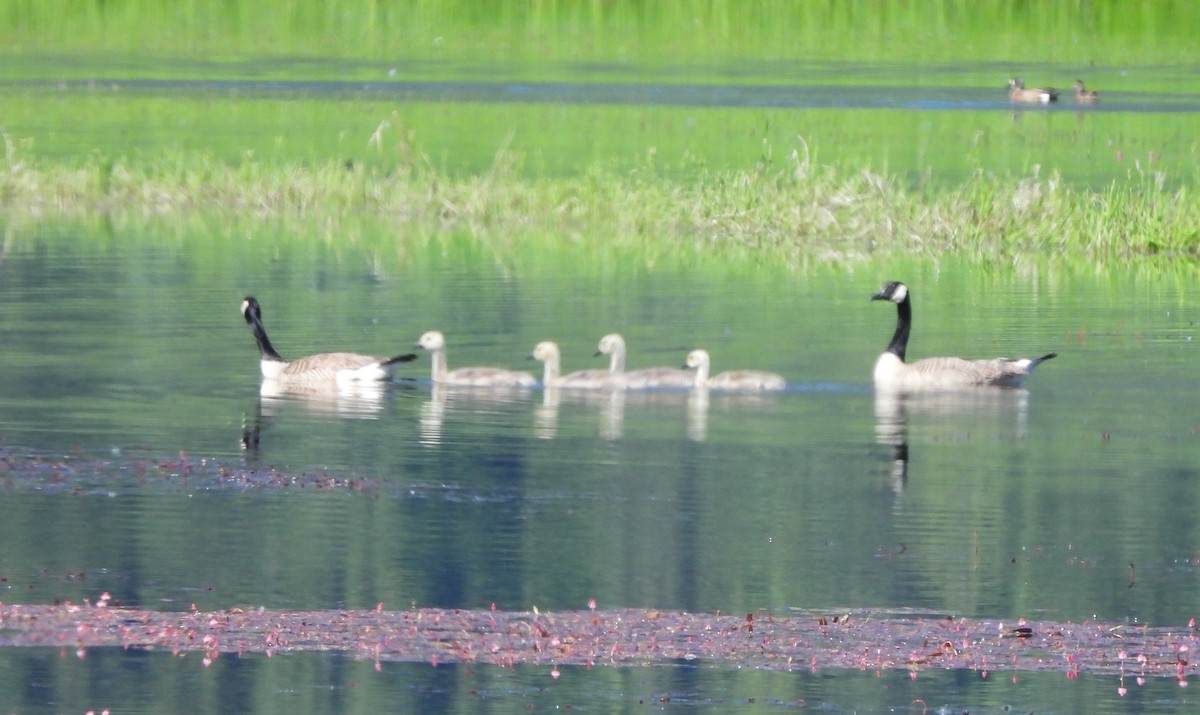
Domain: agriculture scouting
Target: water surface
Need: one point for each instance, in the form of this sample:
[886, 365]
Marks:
[154, 683]
[660, 499]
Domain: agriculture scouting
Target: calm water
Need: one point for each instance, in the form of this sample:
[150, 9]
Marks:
[1072, 500]
[323, 684]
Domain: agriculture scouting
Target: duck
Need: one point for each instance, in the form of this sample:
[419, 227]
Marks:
[317, 370]
[1083, 95]
[732, 380]
[435, 343]
[613, 345]
[939, 373]
[1018, 93]
[548, 353]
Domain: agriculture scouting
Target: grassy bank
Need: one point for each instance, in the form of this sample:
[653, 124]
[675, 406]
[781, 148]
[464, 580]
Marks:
[802, 213]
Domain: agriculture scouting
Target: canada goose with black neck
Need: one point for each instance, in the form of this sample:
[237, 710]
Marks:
[939, 373]
[319, 369]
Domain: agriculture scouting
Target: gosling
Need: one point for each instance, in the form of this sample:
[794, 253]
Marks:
[613, 345]
[435, 343]
[548, 353]
[732, 380]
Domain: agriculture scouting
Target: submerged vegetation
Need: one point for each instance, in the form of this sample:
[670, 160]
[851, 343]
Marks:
[802, 213]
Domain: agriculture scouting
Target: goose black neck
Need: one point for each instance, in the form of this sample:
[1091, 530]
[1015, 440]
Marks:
[903, 326]
[265, 349]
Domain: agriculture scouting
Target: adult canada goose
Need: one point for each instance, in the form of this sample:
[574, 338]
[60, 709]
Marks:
[740, 380]
[940, 373]
[1033, 95]
[435, 343]
[551, 358]
[1083, 95]
[320, 369]
[613, 345]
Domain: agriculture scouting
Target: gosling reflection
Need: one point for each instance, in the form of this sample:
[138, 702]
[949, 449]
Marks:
[432, 416]
[697, 414]
[609, 405]
[545, 415]
[612, 407]
[445, 399]
[612, 415]
[702, 402]
[947, 417]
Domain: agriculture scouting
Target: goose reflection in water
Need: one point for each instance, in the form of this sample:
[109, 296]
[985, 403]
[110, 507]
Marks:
[950, 415]
[362, 401]
[359, 401]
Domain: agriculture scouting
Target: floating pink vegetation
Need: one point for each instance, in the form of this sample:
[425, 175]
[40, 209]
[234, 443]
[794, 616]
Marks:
[864, 640]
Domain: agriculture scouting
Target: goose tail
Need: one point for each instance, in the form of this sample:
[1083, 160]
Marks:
[1030, 363]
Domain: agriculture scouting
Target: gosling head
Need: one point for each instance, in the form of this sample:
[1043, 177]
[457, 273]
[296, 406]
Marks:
[433, 340]
[696, 358]
[545, 351]
[895, 291]
[610, 344]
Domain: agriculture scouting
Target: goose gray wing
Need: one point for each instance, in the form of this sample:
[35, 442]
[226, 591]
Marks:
[326, 366]
[951, 372]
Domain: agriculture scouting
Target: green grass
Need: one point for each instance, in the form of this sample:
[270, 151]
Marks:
[929, 149]
[805, 212]
[621, 31]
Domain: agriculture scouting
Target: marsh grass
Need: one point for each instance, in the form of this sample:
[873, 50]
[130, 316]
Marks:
[805, 212]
